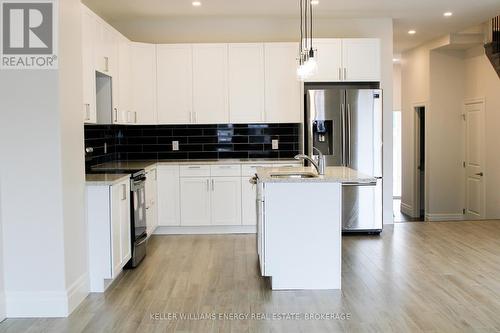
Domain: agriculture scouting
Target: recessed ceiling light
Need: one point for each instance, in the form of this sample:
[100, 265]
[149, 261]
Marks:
[314, 2]
[448, 14]
[412, 32]
[196, 3]
[395, 60]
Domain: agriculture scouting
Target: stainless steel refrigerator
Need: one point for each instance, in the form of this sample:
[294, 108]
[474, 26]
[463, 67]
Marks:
[345, 124]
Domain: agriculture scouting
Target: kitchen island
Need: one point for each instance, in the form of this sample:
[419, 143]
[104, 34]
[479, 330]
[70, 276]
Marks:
[300, 225]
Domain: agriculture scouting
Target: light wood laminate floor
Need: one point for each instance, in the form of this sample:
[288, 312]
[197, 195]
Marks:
[432, 277]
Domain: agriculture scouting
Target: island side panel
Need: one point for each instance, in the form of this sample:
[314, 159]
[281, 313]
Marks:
[303, 235]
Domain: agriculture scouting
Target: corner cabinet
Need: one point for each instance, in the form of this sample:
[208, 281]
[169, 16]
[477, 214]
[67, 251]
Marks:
[282, 94]
[108, 220]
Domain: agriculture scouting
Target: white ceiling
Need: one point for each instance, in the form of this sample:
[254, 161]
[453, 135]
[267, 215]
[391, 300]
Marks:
[425, 16]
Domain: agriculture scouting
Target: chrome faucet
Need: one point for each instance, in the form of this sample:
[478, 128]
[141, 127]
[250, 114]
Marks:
[319, 166]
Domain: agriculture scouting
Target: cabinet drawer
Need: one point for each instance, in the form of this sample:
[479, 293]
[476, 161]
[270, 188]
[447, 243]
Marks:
[251, 169]
[195, 171]
[229, 170]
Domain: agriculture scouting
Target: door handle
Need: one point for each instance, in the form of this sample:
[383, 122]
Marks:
[343, 121]
[349, 134]
[480, 174]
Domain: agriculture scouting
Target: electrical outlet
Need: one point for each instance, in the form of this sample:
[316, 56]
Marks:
[175, 145]
[275, 144]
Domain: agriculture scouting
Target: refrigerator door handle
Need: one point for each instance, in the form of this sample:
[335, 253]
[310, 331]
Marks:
[349, 134]
[343, 122]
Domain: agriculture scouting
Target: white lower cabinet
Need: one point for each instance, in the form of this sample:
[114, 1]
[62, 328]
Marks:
[195, 201]
[226, 200]
[108, 219]
[151, 198]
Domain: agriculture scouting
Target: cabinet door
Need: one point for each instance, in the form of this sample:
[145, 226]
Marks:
[175, 83]
[226, 200]
[124, 78]
[143, 84]
[120, 226]
[283, 102]
[151, 198]
[210, 105]
[248, 202]
[195, 201]
[88, 74]
[168, 196]
[329, 59]
[104, 48]
[246, 83]
[361, 59]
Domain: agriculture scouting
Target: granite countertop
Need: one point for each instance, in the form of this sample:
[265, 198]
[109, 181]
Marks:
[332, 175]
[105, 179]
[130, 165]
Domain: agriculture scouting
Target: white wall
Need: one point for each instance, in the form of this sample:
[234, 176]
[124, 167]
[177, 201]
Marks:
[42, 180]
[443, 79]
[481, 81]
[223, 29]
[433, 77]
[396, 104]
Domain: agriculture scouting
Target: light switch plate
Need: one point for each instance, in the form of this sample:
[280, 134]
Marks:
[175, 145]
[275, 144]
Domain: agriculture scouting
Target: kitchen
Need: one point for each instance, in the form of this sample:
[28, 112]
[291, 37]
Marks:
[179, 169]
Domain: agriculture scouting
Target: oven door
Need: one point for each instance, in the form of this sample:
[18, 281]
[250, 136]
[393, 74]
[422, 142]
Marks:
[139, 207]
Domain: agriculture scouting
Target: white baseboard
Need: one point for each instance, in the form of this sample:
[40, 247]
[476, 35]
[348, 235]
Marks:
[77, 292]
[206, 230]
[443, 217]
[406, 209]
[46, 304]
[2, 307]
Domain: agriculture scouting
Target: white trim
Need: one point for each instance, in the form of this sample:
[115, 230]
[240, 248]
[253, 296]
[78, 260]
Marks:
[2, 306]
[406, 209]
[444, 217]
[46, 304]
[77, 292]
[206, 230]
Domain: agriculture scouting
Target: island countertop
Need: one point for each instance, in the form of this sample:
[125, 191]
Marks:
[332, 175]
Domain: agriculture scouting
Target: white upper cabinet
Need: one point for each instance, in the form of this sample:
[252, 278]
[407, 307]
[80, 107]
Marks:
[361, 59]
[106, 49]
[210, 102]
[282, 93]
[175, 83]
[143, 92]
[329, 59]
[124, 100]
[89, 26]
[246, 83]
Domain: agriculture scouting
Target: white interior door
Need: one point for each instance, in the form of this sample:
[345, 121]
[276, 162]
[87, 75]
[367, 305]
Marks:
[474, 161]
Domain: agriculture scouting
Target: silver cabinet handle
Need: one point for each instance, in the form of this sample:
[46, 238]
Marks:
[480, 174]
[87, 111]
[213, 185]
[116, 114]
[345, 73]
[340, 73]
[106, 64]
[208, 185]
[124, 192]
[349, 134]
[195, 117]
[344, 143]
[194, 167]
[128, 117]
[135, 117]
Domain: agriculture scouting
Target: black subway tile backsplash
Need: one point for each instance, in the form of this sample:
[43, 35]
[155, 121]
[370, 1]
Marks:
[150, 142]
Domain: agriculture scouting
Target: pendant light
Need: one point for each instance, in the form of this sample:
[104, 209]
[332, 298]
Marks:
[307, 65]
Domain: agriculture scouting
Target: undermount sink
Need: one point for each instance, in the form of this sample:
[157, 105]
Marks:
[294, 175]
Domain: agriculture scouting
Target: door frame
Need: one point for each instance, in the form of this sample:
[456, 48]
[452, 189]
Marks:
[416, 175]
[479, 100]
